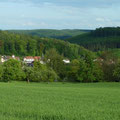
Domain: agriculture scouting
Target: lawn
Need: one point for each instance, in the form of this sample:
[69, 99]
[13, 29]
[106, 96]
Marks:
[57, 101]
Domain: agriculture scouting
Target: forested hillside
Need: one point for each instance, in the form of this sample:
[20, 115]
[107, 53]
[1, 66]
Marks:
[100, 39]
[22, 45]
[84, 66]
[51, 33]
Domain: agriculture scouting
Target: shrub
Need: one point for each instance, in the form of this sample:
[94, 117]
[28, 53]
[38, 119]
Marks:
[12, 71]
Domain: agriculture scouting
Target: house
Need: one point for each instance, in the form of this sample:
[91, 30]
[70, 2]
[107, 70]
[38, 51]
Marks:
[14, 57]
[31, 59]
[42, 62]
[37, 58]
[28, 59]
[3, 59]
[66, 61]
[6, 58]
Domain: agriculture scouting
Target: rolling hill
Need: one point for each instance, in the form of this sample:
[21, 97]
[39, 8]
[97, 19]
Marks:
[51, 33]
[24, 45]
[99, 39]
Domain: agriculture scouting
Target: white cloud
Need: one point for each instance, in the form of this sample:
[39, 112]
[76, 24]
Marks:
[59, 13]
[28, 24]
[103, 20]
[100, 19]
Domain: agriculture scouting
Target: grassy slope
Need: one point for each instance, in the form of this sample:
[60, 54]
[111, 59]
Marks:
[57, 101]
[51, 33]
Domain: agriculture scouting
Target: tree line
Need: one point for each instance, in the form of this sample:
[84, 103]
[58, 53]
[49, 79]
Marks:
[54, 70]
[85, 69]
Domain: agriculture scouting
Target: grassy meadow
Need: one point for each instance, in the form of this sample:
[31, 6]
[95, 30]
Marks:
[58, 101]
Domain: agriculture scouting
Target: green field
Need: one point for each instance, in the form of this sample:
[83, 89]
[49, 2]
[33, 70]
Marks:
[57, 101]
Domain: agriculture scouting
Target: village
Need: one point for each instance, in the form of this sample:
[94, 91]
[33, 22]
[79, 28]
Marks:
[28, 59]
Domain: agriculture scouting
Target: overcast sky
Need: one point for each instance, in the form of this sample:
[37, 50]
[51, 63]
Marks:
[59, 14]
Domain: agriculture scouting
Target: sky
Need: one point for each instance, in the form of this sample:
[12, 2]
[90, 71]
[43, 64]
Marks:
[59, 14]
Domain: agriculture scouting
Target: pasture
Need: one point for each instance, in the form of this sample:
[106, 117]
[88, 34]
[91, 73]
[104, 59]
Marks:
[58, 101]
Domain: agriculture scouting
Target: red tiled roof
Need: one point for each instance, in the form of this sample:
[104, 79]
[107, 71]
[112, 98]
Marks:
[37, 57]
[29, 57]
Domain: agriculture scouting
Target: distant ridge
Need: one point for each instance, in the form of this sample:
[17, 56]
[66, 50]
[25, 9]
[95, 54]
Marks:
[99, 39]
[52, 33]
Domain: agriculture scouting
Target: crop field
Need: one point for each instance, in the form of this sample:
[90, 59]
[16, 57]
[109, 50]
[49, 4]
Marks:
[58, 101]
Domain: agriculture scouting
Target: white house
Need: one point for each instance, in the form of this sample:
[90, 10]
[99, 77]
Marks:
[3, 59]
[66, 61]
[42, 62]
[28, 59]
[6, 58]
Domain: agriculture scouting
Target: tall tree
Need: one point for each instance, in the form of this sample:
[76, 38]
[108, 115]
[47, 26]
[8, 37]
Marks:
[12, 71]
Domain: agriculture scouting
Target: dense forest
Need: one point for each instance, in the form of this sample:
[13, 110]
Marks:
[99, 39]
[24, 45]
[51, 33]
